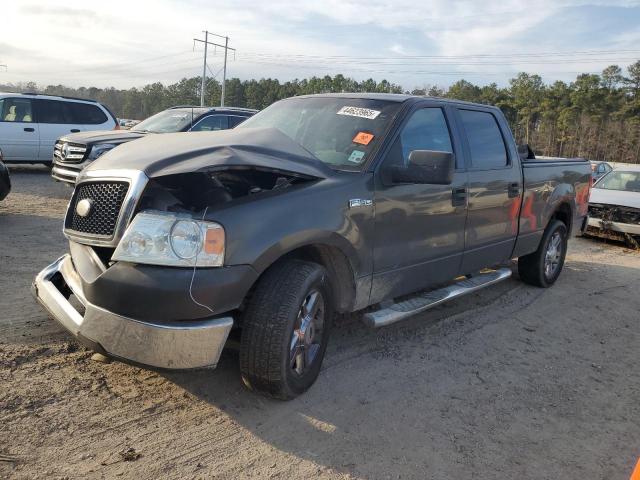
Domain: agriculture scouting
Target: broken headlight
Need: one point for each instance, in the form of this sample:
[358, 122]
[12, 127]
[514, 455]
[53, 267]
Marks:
[99, 149]
[160, 238]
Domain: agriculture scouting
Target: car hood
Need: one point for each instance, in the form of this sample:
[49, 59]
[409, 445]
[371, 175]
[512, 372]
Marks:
[173, 153]
[615, 197]
[102, 136]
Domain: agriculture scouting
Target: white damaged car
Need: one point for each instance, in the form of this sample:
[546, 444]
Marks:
[614, 206]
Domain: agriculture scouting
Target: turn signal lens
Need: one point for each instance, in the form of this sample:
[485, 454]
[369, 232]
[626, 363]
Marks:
[214, 241]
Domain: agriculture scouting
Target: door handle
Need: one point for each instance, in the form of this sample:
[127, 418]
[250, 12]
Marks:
[75, 130]
[514, 190]
[459, 197]
[29, 129]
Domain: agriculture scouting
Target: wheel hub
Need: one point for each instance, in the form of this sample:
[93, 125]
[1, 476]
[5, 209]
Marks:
[307, 332]
[553, 255]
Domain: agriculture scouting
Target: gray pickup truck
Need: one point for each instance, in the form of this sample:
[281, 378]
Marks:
[317, 205]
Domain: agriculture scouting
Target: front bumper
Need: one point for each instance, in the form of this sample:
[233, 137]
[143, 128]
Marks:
[67, 172]
[600, 224]
[171, 345]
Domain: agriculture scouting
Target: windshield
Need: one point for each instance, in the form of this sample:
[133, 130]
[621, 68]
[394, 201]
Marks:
[169, 121]
[340, 132]
[627, 181]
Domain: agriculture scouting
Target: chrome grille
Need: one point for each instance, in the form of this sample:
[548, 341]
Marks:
[106, 199]
[67, 152]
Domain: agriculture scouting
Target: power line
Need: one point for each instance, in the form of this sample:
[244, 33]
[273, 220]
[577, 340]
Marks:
[479, 55]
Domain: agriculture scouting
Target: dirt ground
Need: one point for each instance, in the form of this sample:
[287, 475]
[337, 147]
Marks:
[512, 382]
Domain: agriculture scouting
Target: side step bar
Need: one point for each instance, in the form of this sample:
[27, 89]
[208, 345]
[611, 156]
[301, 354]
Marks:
[426, 300]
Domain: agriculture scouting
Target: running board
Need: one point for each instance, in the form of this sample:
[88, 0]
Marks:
[426, 300]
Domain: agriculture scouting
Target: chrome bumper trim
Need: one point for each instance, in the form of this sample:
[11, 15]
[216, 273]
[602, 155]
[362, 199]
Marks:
[64, 174]
[177, 345]
[615, 226]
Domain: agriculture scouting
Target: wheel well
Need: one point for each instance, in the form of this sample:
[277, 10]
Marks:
[563, 213]
[336, 264]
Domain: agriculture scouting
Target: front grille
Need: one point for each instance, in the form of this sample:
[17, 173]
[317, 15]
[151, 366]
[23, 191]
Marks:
[68, 152]
[614, 213]
[106, 201]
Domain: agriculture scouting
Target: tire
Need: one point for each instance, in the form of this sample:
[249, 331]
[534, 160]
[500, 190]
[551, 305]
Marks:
[273, 360]
[534, 268]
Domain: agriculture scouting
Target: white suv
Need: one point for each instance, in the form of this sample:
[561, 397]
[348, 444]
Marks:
[30, 124]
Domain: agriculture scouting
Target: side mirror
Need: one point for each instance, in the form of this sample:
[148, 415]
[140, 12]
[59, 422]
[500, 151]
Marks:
[425, 166]
[525, 152]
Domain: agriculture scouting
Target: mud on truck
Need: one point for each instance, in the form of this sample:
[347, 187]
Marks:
[317, 205]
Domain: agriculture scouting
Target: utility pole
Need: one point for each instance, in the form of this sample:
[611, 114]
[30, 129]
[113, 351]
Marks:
[204, 68]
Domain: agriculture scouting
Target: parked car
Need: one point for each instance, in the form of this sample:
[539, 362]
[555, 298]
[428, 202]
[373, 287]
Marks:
[5, 181]
[76, 151]
[614, 206]
[31, 123]
[598, 170]
[318, 204]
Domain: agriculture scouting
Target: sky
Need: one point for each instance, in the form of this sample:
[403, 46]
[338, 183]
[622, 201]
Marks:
[408, 42]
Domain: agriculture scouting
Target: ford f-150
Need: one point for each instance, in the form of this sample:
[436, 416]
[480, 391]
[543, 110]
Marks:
[317, 205]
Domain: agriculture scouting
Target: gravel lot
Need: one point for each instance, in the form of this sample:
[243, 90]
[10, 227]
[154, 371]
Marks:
[512, 382]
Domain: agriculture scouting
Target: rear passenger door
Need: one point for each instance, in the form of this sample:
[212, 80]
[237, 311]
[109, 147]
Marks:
[494, 189]
[19, 136]
[54, 121]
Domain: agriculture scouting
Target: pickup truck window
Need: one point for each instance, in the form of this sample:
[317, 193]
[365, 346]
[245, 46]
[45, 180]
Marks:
[485, 140]
[426, 129]
[340, 132]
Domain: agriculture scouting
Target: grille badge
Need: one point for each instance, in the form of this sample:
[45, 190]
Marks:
[64, 152]
[83, 207]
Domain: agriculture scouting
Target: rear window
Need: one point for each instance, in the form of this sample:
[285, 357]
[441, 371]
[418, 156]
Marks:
[485, 140]
[86, 114]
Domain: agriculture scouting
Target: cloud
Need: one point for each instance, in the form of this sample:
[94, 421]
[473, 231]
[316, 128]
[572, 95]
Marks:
[66, 12]
[125, 43]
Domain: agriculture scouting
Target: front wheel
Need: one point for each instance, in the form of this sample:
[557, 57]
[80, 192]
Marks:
[542, 267]
[285, 329]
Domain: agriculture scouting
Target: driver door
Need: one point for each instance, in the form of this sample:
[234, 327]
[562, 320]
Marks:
[419, 228]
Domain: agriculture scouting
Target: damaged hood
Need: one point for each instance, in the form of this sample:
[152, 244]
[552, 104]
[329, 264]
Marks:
[615, 197]
[102, 136]
[173, 153]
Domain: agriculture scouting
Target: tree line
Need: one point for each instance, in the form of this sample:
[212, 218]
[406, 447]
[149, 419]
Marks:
[595, 116]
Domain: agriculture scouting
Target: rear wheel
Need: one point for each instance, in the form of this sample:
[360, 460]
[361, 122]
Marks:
[542, 267]
[286, 329]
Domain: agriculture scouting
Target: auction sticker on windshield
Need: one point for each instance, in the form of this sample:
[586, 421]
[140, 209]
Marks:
[356, 156]
[359, 112]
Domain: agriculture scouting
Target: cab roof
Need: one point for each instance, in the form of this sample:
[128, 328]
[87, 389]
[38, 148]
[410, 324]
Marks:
[393, 97]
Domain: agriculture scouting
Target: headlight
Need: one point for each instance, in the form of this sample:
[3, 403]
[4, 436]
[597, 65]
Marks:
[159, 238]
[99, 149]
